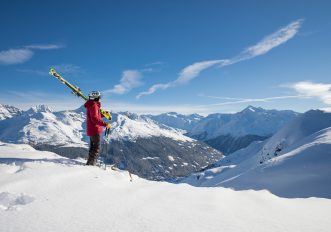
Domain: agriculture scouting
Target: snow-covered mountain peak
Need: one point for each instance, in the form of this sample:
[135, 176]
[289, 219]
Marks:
[130, 126]
[81, 109]
[251, 120]
[7, 111]
[172, 114]
[252, 109]
[130, 115]
[39, 125]
[180, 121]
[39, 109]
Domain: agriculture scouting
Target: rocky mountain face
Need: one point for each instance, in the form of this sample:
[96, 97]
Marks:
[229, 144]
[155, 151]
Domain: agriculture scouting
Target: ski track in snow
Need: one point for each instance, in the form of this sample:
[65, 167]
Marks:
[52, 193]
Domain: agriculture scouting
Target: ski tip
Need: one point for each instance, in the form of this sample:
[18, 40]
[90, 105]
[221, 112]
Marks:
[52, 71]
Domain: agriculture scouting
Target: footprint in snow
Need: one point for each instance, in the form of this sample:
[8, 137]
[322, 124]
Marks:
[10, 201]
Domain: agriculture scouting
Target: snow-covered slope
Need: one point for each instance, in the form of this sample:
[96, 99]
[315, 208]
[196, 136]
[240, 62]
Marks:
[40, 191]
[295, 162]
[129, 126]
[7, 111]
[295, 132]
[250, 121]
[40, 125]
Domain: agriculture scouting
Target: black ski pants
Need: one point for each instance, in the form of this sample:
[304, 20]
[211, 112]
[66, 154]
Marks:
[94, 149]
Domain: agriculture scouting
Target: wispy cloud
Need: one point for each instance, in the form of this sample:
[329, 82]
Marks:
[44, 46]
[232, 101]
[71, 69]
[65, 69]
[193, 70]
[153, 89]
[271, 41]
[15, 56]
[265, 45]
[154, 63]
[185, 76]
[21, 55]
[130, 79]
[321, 91]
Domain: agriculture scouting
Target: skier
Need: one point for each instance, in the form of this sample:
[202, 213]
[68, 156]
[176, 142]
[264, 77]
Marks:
[94, 125]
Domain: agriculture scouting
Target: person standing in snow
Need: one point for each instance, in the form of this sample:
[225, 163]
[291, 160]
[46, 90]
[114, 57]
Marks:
[94, 125]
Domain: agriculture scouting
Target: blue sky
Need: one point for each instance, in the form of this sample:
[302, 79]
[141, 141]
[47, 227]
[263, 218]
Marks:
[159, 56]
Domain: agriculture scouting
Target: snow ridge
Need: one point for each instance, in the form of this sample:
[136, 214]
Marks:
[130, 126]
[40, 125]
[7, 111]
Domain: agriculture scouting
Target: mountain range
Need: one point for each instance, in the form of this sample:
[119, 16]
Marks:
[139, 144]
[154, 147]
[229, 132]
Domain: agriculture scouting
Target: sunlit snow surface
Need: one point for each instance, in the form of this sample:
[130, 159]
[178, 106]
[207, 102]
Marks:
[295, 162]
[131, 126]
[41, 191]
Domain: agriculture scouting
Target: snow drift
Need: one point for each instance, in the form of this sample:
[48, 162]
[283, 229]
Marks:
[41, 191]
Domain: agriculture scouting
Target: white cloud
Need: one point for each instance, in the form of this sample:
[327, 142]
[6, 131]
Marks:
[153, 89]
[186, 75]
[265, 45]
[44, 46]
[271, 41]
[193, 70]
[130, 79]
[15, 56]
[21, 55]
[320, 91]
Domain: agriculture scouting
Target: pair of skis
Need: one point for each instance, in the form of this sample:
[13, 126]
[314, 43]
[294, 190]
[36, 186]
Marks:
[76, 91]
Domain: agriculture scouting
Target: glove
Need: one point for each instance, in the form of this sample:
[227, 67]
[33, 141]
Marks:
[105, 114]
[108, 126]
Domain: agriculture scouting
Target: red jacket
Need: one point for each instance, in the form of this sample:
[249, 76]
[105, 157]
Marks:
[94, 122]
